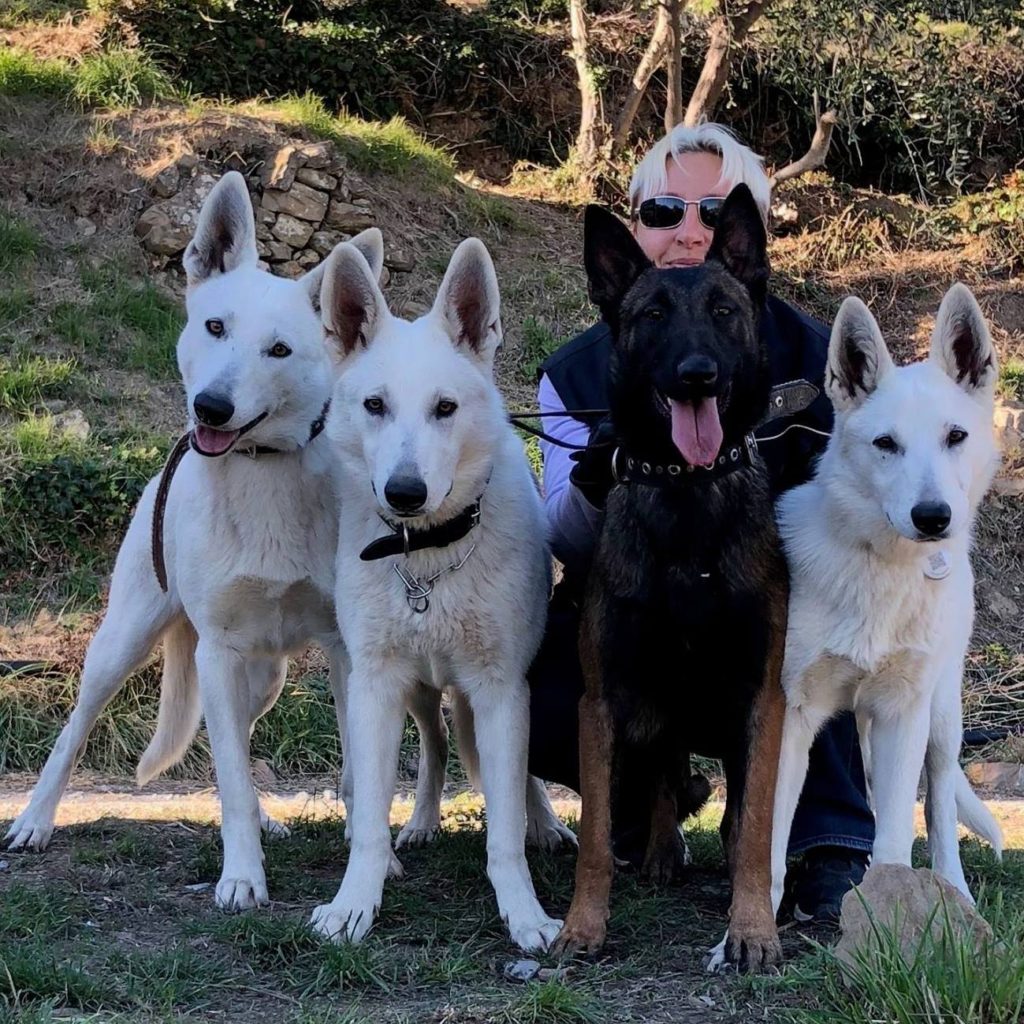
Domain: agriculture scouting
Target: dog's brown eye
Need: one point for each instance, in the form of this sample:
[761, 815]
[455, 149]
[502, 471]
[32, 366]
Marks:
[445, 408]
[885, 443]
[215, 327]
[721, 310]
[374, 406]
[279, 350]
[956, 436]
[654, 313]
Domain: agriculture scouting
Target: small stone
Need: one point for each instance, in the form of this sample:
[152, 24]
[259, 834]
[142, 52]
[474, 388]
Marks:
[264, 216]
[86, 228]
[324, 241]
[1003, 775]
[72, 423]
[262, 773]
[188, 162]
[263, 233]
[317, 156]
[307, 259]
[521, 970]
[299, 201]
[316, 179]
[348, 217]
[292, 230]
[159, 234]
[1002, 607]
[279, 251]
[398, 261]
[165, 183]
[198, 887]
[903, 900]
[413, 310]
[290, 269]
[4, 865]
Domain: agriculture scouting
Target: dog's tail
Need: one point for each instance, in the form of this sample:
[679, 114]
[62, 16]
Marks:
[973, 813]
[180, 709]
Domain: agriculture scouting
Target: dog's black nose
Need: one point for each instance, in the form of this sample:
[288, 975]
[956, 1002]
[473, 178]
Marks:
[405, 493]
[697, 371]
[931, 517]
[212, 410]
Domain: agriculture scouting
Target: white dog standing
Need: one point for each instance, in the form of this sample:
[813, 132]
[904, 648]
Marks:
[453, 585]
[882, 592]
[249, 537]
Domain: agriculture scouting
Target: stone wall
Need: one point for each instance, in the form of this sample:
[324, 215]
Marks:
[305, 200]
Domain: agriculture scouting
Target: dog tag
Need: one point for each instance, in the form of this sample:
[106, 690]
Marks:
[937, 565]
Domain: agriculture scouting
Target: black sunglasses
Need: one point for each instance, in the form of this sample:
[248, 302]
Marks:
[669, 211]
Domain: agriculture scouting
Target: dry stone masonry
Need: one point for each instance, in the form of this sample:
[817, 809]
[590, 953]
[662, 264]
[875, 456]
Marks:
[305, 198]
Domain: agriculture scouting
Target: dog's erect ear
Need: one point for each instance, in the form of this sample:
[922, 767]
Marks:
[225, 236]
[612, 257]
[740, 242]
[369, 242]
[468, 302]
[962, 345]
[351, 304]
[858, 358]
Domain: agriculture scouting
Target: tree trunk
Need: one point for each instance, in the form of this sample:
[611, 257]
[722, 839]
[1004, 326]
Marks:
[724, 34]
[674, 100]
[652, 59]
[591, 137]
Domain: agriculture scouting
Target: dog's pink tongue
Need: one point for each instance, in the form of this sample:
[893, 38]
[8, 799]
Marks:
[214, 442]
[696, 430]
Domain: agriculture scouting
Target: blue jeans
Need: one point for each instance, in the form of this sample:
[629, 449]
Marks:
[833, 808]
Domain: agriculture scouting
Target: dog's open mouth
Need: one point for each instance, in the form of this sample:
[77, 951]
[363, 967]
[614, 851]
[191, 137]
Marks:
[696, 429]
[211, 442]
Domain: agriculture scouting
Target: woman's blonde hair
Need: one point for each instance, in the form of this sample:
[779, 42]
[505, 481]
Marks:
[739, 163]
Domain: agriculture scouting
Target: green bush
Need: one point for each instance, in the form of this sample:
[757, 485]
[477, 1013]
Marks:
[997, 217]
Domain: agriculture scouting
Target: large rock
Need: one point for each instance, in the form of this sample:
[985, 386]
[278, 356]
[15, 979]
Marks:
[324, 241]
[349, 217]
[299, 201]
[317, 179]
[292, 231]
[320, 156]
[908, 902]
[165, 182]
[167, 226]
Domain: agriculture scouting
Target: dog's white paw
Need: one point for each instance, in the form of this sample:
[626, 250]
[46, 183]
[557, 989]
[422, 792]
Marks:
[234, 893]
[535, 933]
[341, 922]
[417, 834]
[550, 835]
[395, 869]
[29, 832]
[717, 961]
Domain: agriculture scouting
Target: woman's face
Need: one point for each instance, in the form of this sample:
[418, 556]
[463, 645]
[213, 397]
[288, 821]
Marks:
[693, 176]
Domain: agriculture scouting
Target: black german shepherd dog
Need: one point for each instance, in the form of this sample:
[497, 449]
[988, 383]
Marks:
[684, 619]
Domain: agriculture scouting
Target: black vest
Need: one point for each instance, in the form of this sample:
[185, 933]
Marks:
[797, 349]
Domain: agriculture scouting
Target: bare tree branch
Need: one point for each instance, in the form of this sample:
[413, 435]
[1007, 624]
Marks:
[652, 59]
[816, 154]
[724, 34]
[674, 99]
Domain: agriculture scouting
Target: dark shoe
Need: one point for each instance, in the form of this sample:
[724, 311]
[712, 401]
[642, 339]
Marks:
[824, 877]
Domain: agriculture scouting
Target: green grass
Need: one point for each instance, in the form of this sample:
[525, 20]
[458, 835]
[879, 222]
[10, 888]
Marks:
[550, 1002]
[115, 77]
[1011, 379]
[391, 147]
[944, 980]
[27, 380]
[18, 242]
[22, 74]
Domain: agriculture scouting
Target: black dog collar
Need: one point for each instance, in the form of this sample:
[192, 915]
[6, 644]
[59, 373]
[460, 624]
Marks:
[403, 540]
[628, 469]
[315, 429]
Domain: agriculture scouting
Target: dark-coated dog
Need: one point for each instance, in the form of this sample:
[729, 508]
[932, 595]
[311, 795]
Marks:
[684, 620]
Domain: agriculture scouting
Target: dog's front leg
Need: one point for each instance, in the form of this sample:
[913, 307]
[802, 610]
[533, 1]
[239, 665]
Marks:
[898, 743]
[224, 689]
[376, 713]
[753, 939]
[425, 823]
[587, 921]
[502, 721]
